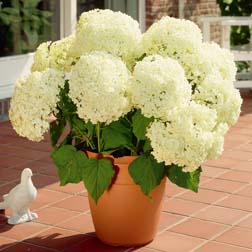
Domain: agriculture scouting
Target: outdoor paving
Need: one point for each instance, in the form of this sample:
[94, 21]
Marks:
[218, 218]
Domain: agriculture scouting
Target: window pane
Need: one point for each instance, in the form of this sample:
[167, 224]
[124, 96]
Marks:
[24, 24]
[86, 5]
[126, 6]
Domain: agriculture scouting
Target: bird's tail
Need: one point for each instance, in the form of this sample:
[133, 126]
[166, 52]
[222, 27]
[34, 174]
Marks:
[2, 205]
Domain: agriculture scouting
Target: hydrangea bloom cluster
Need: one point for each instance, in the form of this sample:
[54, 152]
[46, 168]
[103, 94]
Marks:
[56, 54]
[209, 69]
[172, 37]
[98, 85]
[187, 139]
[219, 95]
[159, 85]
[34, 99]
[105, 30]
[168, 74]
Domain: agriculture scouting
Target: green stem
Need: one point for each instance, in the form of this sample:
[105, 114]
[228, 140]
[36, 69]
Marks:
[98, 129]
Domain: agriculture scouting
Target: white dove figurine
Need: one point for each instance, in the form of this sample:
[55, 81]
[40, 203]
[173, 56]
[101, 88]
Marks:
[20, 198]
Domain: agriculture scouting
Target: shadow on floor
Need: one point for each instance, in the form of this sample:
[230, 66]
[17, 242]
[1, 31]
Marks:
[55, 242]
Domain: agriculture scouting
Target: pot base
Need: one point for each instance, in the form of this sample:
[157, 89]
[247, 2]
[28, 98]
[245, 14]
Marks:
[124, 245]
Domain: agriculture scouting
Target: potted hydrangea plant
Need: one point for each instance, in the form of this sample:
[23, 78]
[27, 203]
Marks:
[134, 109]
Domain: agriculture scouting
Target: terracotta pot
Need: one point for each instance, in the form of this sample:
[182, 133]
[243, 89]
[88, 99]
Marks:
[124, 216]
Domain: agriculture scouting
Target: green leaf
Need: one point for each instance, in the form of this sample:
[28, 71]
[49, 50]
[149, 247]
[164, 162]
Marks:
[46, 14]
[70, 163]
[82, 126]
[65, 104]
[146, 172]
[97, 175]
[189, 180]
[6, 19]
[31, 35]
[12, 11]
[140, 123]
[147, 146]
[56, 129]
[116, 135]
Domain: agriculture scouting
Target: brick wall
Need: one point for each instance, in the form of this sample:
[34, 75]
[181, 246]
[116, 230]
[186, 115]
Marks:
[155, 9]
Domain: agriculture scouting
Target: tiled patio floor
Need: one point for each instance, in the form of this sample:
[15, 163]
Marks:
[217, 219]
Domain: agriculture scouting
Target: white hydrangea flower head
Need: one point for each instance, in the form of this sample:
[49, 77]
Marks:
[186, 138]
[220, 95]
[55, 55]
[159, 85]
[220, 60]
[209, 59]
[105, 30]
[60, 54]
[35, 98]
[98, 86]
[171, 37]
[218, 143]
[41, 57]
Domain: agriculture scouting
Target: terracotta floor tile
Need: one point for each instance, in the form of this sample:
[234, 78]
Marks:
[222, 185]
[237, 155]
[246, 191]
[46, 159]
[237, 236]
[239, 138]
[232, 144]
[75, 203]
[25, 247]
[221, 215]
[82, 223]
[174, 242]
[40, 180]
[143, 250]
[9, 162]
[5, 242]
[246, 147]
[240, 176]
[222, 162]
[237, 202]
[50, 169]
[246, 223]
[46, 197]
[221, 247]
[36, 166]
[9, 175]
[53, 215]
[6, 188]
[183, 207]
[92, 244]
[20, 232]
[168, 219]
[199, 228]
[245, 131]
[69, 188]
[204, 196]
[243, 166]
[246, 118]
[31, 154]
[212, 172]
[56, 238]
[172, 189]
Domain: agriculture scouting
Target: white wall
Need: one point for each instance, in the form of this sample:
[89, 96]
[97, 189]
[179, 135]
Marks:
[11, 68]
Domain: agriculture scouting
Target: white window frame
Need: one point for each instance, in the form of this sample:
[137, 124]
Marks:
[68, 17]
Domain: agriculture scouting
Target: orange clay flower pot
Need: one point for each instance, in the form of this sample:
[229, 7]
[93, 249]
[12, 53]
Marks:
[124, 216]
